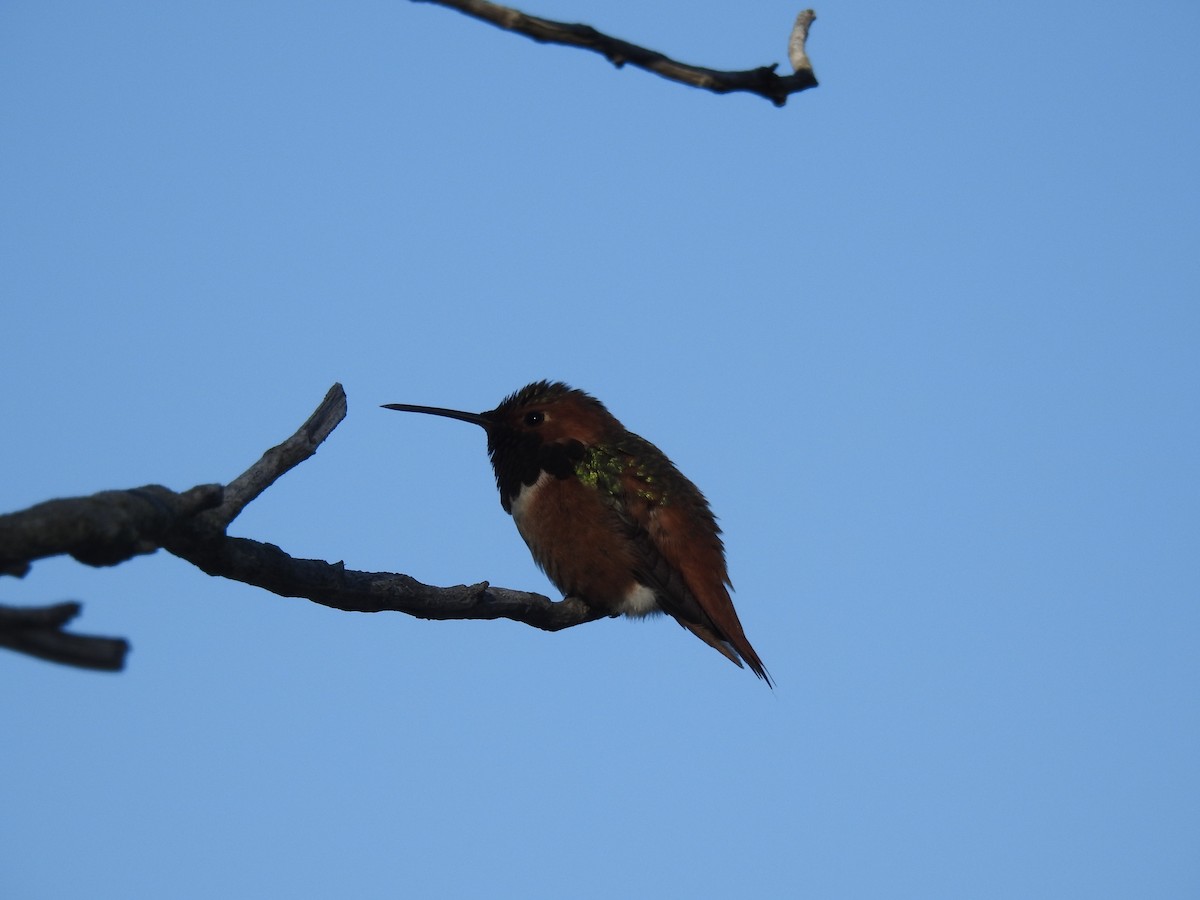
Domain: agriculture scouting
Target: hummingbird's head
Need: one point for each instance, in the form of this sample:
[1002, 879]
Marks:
[545, 412]
[545, 426]
[549, 412]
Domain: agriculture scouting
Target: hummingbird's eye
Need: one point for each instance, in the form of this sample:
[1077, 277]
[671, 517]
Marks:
[537, 417]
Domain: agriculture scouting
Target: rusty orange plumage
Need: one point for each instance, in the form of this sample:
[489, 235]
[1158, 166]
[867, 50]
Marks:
[607, 515]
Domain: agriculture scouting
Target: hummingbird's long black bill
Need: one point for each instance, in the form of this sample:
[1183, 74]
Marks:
[481, 419]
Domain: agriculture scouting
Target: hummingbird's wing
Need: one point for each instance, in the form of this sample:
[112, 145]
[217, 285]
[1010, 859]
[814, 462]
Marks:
[681, 553]
[674, 596]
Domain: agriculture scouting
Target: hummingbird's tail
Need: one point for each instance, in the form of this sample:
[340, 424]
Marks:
[736, 650]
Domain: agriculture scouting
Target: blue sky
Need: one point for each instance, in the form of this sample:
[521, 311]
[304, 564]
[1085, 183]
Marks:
[927, 338]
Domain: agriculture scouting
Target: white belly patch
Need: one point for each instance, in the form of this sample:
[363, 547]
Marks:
[640, 601]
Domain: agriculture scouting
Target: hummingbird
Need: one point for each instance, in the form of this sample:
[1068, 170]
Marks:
[606, 515]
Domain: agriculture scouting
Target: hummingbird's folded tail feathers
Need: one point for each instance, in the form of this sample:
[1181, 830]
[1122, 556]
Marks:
[731, 651]
[710, 638]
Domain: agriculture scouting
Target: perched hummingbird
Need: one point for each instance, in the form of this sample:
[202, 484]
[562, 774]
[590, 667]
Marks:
[606, 515]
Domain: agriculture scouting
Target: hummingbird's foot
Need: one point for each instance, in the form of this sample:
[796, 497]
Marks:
[593, 613]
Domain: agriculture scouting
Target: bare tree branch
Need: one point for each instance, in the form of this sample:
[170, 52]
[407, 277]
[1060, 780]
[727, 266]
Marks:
[113, 526]
[762, 81]
[333, 585]
[37, 631]
[101, 530]
[280, 459]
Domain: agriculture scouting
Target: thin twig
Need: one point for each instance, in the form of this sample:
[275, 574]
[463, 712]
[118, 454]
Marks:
[762, 81]
[281, 458]
[798, 42]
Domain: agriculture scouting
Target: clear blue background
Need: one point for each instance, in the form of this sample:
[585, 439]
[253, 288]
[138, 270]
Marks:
[927, 337]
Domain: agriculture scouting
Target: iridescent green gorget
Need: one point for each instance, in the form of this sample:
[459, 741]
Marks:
[602, 467]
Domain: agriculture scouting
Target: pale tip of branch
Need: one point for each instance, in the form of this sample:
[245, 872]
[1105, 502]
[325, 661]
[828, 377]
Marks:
[797, 54]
